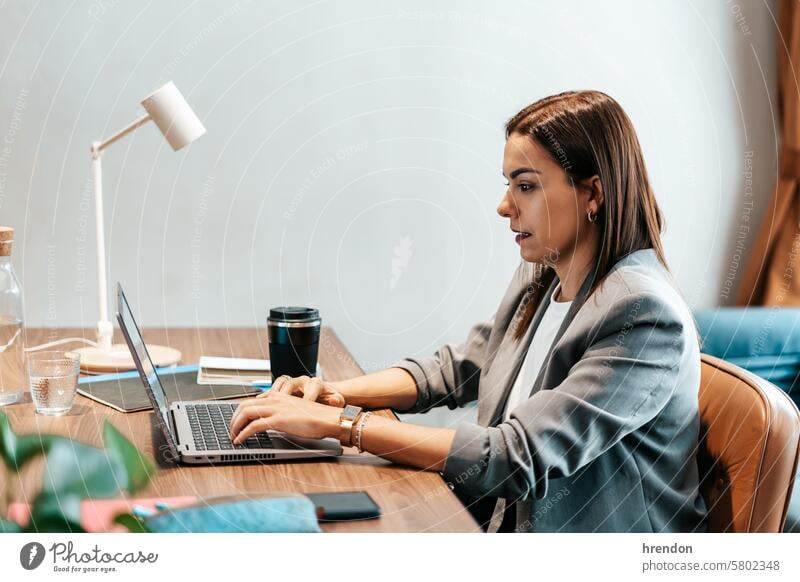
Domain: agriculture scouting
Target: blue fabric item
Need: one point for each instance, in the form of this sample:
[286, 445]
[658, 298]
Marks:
[135, 374]
[762, 340]
[265, 515]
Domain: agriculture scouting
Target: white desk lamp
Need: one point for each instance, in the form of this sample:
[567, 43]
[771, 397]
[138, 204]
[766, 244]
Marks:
[168, 109]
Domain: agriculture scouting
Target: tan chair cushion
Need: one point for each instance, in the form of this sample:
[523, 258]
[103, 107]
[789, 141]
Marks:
[749, 449]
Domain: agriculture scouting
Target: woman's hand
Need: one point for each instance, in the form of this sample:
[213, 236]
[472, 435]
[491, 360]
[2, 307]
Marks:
[285, 413]
[313, 389]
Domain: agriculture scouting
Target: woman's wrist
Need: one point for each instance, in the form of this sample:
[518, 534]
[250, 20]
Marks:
[341, 386]
[390, 388]
[353, 391]
[332, 421]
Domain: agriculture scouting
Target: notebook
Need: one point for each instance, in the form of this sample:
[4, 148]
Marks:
[239, 371]
[236, 371]
[125, 392]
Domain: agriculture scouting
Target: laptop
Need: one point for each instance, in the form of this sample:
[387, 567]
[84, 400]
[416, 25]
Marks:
[197, 431]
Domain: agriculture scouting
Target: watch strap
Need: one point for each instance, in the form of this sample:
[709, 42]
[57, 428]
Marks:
[347, 420]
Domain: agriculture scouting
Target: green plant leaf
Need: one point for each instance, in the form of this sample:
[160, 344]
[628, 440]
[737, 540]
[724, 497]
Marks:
[54, 513]
[54, 524]
[138, 469]
[18, 450]
[75, 469]
[133, 523]
[9, 526]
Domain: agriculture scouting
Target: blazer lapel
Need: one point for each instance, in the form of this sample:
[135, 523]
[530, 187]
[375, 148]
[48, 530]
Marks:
[512, 359]
[509, 361]
[577, 303]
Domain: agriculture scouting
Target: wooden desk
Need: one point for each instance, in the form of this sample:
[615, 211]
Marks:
[411, 500]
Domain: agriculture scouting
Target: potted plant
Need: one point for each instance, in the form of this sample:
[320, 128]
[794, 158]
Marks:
[73, 471]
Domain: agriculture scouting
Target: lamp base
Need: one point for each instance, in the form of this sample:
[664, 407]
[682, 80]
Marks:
[97, 361]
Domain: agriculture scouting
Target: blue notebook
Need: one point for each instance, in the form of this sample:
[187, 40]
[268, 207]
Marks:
[125, 392]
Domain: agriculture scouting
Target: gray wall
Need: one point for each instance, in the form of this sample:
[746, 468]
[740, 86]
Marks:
[353, 154]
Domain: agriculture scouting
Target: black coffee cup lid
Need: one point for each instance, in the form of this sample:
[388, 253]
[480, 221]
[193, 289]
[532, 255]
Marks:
[292, 313]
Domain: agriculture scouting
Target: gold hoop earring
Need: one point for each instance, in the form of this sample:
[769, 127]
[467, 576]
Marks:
[591, 217]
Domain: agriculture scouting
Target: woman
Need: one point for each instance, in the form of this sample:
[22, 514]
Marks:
[587, 374]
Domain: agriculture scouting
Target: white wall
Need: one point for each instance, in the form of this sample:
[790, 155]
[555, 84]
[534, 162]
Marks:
[353, 153]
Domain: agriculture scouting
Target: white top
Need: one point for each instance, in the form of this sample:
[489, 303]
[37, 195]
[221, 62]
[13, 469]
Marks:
[540, 344]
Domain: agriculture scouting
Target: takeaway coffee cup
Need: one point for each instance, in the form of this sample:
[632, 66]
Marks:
[293, 341]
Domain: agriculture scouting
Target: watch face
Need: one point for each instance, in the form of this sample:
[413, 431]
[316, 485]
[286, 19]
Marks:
[350, 411]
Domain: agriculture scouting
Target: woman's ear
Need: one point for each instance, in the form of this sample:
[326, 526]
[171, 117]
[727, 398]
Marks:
[596, 195]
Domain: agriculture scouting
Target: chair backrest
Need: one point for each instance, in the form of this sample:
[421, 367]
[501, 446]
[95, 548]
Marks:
[749, 449]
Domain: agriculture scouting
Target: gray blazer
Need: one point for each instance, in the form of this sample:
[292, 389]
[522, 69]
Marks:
[607, 439]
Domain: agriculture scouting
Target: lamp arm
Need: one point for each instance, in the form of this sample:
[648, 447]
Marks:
[98, 147]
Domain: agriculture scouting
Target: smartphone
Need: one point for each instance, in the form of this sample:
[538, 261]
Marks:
[344, 506]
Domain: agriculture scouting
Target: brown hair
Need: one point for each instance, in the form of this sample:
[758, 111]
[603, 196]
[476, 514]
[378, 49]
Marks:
[588, 134]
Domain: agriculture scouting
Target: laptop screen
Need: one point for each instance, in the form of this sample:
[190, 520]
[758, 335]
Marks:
[144, 364]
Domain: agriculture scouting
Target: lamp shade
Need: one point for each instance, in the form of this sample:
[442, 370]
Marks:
[173, 116]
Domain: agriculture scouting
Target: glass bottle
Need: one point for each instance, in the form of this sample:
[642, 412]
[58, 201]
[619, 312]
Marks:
[13, 378]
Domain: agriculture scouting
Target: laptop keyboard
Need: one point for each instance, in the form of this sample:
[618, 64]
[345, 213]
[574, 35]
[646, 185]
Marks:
[210, 424]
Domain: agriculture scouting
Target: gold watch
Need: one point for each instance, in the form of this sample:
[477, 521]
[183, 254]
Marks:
[346, 420]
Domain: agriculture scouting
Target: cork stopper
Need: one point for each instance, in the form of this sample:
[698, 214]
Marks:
[6, 238]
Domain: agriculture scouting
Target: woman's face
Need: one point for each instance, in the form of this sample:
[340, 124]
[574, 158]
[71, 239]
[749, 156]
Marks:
[541, 202]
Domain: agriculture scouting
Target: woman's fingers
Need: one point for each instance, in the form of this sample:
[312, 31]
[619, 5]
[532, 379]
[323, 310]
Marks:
[255, 426]
[312, 389]
[333, 399]
[279, 383]
[239, 408]
[283, 413]
[292, 386]
[247, 411]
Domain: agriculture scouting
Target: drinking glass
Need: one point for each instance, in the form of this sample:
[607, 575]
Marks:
[53, 380]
